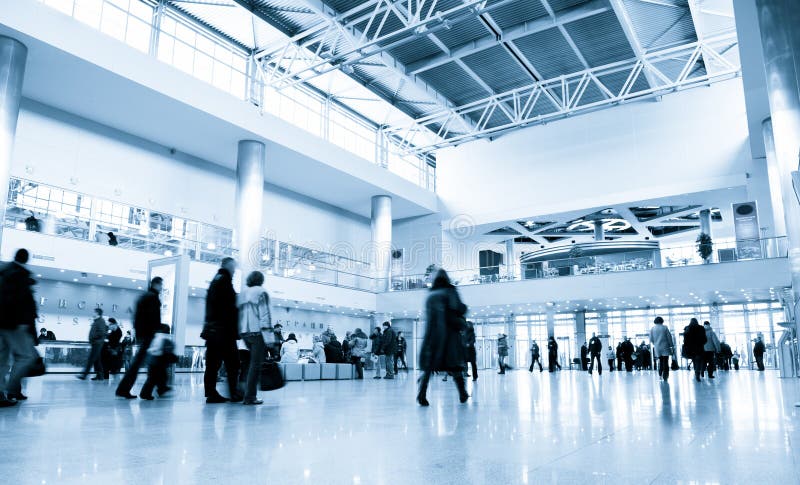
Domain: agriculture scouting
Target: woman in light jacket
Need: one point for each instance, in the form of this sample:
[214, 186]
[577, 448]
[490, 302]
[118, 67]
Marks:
[710, 350]
[290, 350]
[663, 348]
[319, 350]
[611, 356]
[254, 321]
[358, 346]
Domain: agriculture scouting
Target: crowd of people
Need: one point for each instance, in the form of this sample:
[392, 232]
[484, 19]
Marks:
[448, 346]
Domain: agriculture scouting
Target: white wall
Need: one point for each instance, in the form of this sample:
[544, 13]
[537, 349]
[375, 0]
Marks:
[420, 238]
[56, 148]
[689, 142]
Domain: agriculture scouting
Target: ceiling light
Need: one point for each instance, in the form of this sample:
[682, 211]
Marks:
[168, 253]
[99, 276]
[109, 283]
[211, 246]
[75, 280]
[62, 270]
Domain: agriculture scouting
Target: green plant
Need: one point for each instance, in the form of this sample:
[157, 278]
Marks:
[575, 252]
[704, 246]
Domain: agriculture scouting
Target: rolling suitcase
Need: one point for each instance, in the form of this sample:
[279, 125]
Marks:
[271, 378]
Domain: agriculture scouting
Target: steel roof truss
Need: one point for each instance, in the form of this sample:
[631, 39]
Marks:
[574, 86]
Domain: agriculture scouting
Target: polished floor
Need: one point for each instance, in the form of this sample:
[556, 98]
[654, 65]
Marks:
[519, 428]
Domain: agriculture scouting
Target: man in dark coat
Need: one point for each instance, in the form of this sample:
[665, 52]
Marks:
[627, 354]
[334, 353]
[759, 349]
[146, 322]
[552, 355]
[17, 327]
[595, 349]
[221, 331]
[694, 339]
[442, 348]
[389, 347]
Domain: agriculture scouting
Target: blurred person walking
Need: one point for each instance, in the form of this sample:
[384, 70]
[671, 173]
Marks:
[535, 358]
[694, 341]
[17, 327]
[469, 347]
[502, 352]
[97, 339]
[255, 327]
[552, 355]
[146, 322]
[161, 354]
[400, 356]
[710, 350]
[442, 347]
[663, 346]
[221, 331]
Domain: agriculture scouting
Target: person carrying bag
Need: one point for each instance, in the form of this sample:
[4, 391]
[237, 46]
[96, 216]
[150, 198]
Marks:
[255, 328]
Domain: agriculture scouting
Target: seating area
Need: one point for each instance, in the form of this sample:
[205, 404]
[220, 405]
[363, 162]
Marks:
[317, 372]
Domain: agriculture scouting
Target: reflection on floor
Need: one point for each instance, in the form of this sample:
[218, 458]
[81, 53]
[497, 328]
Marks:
[519, 428]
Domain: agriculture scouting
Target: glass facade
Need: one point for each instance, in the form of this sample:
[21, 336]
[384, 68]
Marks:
[175, 39]
[738, 325]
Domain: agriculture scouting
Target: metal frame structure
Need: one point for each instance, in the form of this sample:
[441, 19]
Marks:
[563, 95]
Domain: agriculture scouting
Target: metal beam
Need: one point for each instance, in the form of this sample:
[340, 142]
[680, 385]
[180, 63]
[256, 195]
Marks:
[583, 11]
[633, 38]
[523, 100]
[277, 73]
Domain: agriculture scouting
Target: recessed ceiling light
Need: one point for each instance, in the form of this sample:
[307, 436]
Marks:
[75, 280]
[99, 276]
[62, 270]
[109, 283]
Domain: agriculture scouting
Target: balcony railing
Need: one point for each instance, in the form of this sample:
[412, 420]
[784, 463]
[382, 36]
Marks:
[665, 257]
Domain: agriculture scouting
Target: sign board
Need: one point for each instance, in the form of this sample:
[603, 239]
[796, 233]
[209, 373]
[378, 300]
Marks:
[747, 230]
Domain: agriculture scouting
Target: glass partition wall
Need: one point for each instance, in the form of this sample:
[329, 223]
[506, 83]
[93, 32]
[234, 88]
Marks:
[738, 325]
[64, 213]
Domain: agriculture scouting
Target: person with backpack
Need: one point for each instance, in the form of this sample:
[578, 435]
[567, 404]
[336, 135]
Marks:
[17, 327]
[146, 322]
[255, 326]
[161, 354]
[710, 350]
[97, 339]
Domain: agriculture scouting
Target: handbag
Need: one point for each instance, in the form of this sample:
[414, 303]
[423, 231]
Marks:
[268, 334]
[209, 331]
[37, 369]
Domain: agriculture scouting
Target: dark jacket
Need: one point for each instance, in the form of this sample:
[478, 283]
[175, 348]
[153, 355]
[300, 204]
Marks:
[147, 318]
[222, 314]
[627, 349]
[552, 348]
[442, 348]
[595, 346]
[401, 344]
[98, 331]
[535, 350]
[389, 341]
[694, 339]
[759, 348]
[334, 353]
[16, 298]
[114, 338]
[377, 342]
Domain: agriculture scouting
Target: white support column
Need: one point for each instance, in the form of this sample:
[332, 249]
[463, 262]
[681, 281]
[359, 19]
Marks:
[13, 56]
[599, 232]
[381, 248]
[511, 328]
[512, 264]
[705, 222]
[249, 204]
[780, 39]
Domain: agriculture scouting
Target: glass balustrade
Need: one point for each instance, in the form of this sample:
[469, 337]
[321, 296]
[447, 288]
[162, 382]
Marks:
[620, 262]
